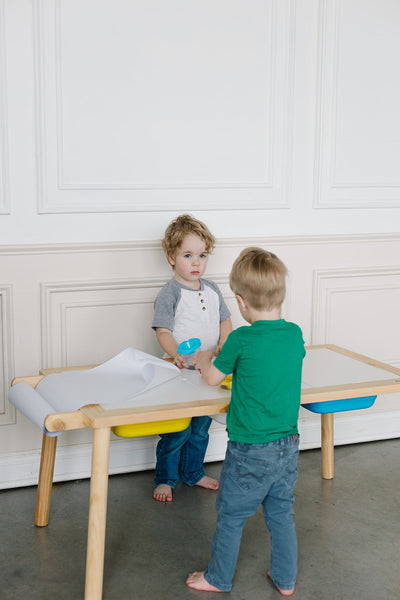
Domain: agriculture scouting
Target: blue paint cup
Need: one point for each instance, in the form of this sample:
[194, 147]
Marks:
[188, 350]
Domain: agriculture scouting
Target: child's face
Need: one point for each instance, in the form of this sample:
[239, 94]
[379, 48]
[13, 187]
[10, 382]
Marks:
[190, 261]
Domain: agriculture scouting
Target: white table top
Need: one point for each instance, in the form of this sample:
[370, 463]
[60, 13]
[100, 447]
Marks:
[324, 367]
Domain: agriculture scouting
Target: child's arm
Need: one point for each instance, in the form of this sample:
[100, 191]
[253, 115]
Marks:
[168, 344]
[225, 328]
[211, 374]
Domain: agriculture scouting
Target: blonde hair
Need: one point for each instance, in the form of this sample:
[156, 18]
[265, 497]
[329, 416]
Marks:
[181, 227]
[259, 277]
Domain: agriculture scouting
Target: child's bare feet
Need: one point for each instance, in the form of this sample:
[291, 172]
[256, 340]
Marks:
[208, 482]
[197, 582]
[283, 592]
[163, 493]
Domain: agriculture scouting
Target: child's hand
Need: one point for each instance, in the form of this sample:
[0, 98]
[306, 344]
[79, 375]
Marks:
[202, 359]
[180, 362]
[211, 374]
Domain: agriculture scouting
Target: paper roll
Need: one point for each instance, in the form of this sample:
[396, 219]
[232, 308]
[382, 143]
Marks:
[28, 401]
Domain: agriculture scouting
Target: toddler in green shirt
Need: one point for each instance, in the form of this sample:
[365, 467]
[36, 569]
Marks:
[260, 466]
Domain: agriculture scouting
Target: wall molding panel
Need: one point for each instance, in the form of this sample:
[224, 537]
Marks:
[103, 311]
[7, 411]
[4, 158]
[79, 167]
[65, 304]
[104, 303]
[357, 301]
[356, 163]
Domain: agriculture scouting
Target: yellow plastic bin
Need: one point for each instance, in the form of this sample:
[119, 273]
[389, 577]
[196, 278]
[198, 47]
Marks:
[151, 428]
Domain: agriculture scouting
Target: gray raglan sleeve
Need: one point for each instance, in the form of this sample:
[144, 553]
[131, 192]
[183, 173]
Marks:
[165, 307]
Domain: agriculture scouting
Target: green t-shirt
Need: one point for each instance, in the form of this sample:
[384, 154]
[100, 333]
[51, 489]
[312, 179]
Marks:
[266, 361]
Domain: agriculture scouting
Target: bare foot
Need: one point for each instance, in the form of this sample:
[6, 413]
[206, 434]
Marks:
[163, 493]
[283, 592]
[208, 483]
[197, 582]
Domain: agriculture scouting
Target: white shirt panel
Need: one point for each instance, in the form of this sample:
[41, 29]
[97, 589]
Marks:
[197, 315]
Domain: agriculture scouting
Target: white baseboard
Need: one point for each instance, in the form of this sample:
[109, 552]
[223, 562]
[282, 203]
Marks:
[20, 469]
[74, 462]
[367, 427]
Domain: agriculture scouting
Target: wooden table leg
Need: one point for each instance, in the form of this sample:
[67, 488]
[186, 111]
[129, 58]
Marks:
[97, 514]
[45, 484]
[327, 446]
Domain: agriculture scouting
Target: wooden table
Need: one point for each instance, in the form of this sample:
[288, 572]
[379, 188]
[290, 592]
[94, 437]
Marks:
[336, 383]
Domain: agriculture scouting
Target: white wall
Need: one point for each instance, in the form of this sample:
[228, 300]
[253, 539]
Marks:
[275, 122]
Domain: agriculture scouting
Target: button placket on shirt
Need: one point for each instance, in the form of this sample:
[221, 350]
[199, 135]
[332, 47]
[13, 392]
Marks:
[202, 301]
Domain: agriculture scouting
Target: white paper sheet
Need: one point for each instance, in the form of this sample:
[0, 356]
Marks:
[115, 382]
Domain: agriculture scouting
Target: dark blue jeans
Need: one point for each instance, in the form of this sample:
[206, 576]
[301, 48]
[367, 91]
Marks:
[254, 474]
[182, 453]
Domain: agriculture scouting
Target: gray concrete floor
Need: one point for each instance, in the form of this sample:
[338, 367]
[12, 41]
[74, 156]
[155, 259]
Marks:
[348, 531]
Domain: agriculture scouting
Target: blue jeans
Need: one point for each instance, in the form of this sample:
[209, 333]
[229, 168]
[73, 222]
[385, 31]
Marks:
[182, 453]
[254, 474]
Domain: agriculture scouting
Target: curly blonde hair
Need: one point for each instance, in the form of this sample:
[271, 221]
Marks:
[181, 227]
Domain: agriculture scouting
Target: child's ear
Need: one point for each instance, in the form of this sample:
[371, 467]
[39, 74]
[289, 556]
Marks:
[241, 301]
[171, 261]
